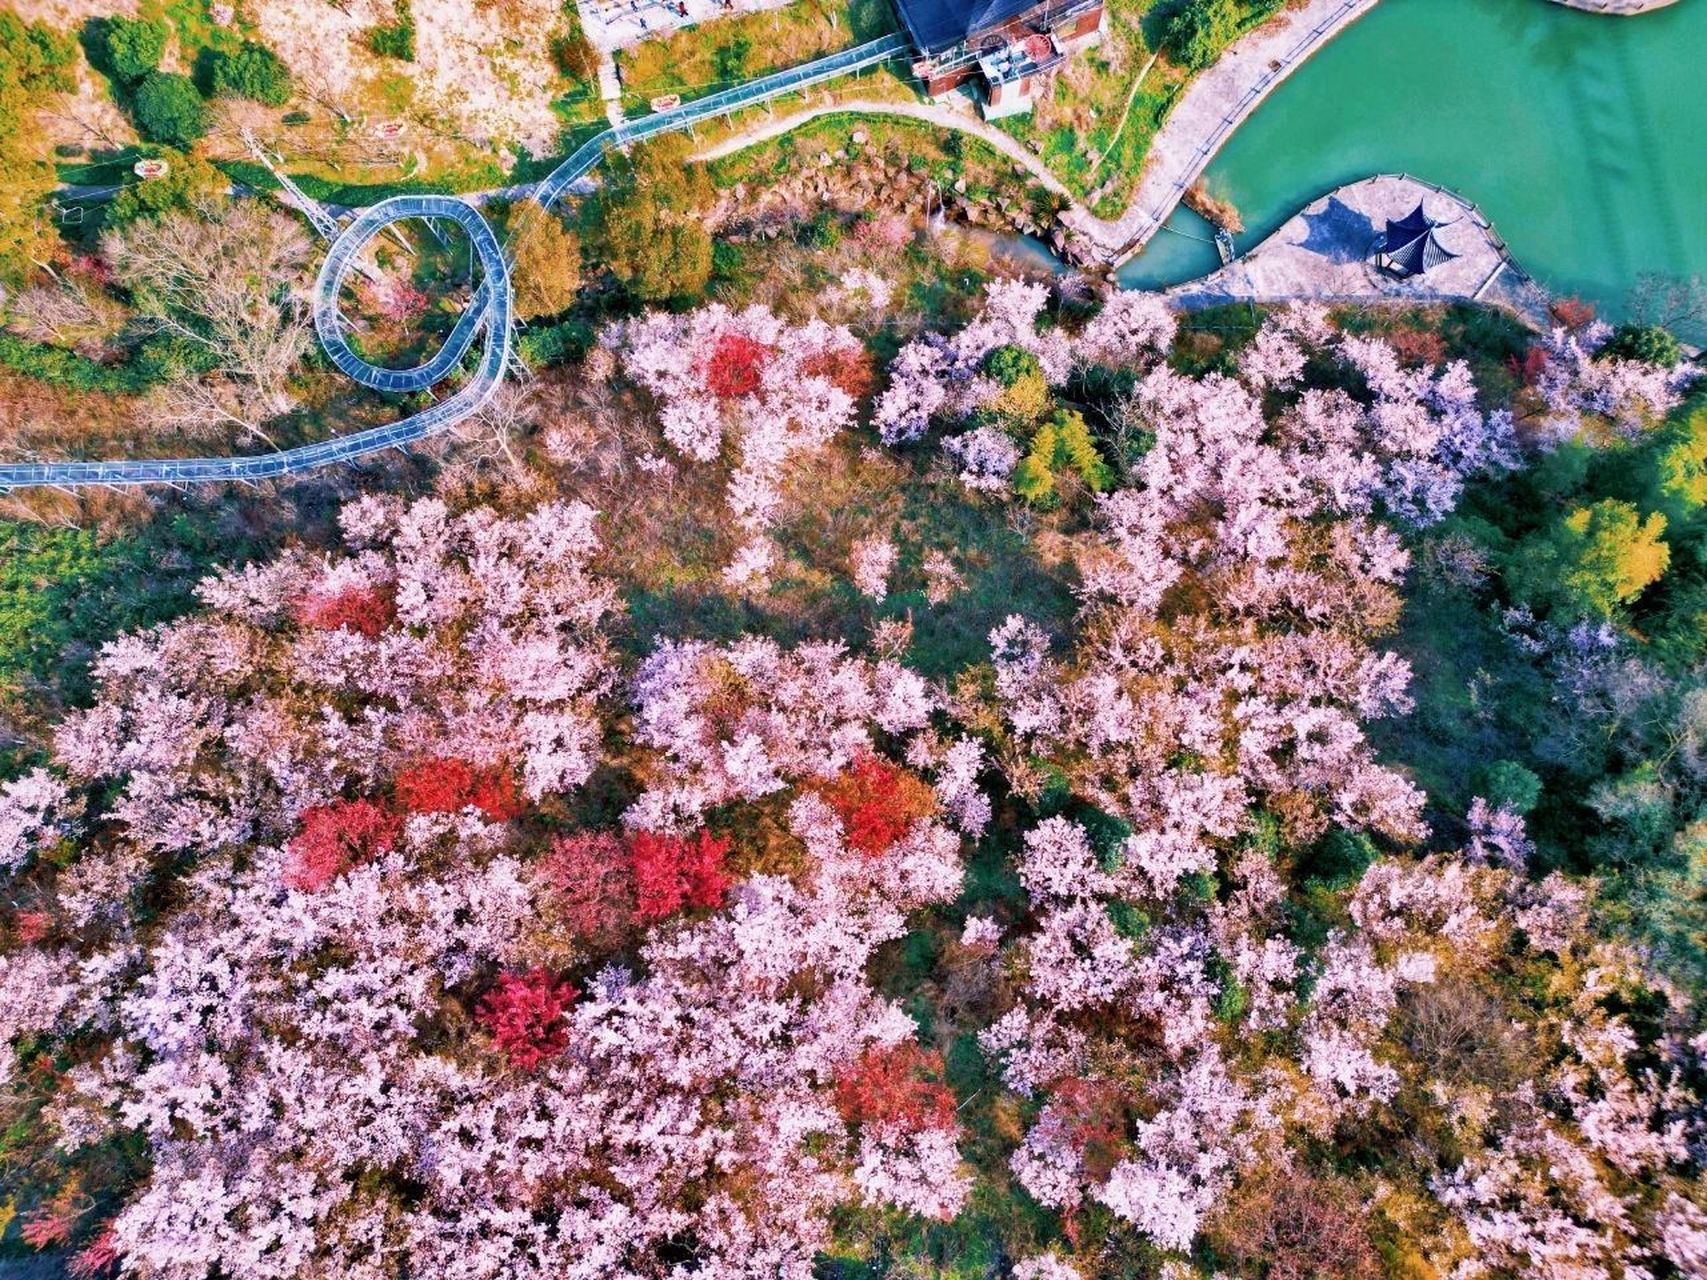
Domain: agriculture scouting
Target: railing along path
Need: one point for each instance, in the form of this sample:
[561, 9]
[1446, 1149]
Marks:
[489, 315]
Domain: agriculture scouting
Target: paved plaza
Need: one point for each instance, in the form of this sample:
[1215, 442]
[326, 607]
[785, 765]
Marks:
[1327, 254]
[618, 24]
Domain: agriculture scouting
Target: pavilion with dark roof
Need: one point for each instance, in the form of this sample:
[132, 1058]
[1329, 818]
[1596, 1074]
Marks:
[1012, 47]
[1410, 246]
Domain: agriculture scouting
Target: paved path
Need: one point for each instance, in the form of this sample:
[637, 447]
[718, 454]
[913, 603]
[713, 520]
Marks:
[1212, 107]
[1189, 138]
[1616, 8]
[941, 114]
[1323, 254]
[610, 87]
[489, 312]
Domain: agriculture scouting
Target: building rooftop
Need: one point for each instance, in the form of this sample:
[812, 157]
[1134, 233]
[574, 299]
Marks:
[1020, 59]
[1410, 245]
[937, 25]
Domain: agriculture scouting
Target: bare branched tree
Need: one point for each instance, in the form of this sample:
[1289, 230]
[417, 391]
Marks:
[1668, 301]
[227, 279]
[196, 403]
[1131, 432]
[64, 313]
[507, 415]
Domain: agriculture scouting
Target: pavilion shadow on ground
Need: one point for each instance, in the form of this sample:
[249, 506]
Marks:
[1339, 233]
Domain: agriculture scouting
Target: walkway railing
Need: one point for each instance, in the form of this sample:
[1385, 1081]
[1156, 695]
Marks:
[489, 313]
[1235, 115]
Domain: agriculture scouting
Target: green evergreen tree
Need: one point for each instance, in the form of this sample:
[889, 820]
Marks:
[133, 47]
[1198, 32]
[168, 109]
[1648, 343]
[253, 72]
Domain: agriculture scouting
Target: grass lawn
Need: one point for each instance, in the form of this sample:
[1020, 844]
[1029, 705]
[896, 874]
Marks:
[1085, 131]
[702, 59]
[1095, 129]
[945, 155]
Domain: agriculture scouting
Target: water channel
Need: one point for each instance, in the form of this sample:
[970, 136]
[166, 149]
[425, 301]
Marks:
[1583, 137]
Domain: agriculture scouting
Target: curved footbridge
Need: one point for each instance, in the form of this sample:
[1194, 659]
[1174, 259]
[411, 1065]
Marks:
[489, 315]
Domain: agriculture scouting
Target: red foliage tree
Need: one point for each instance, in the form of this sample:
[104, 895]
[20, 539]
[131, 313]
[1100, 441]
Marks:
[1573, 312]
[848, 368]
[524, 1014]
[335, 837]
[896, 1085]
[50, 1225]
[1534, 362]
[100, 1257]
[497, 794]
[92, 267]
[364, 609]
[877, 802]
[1418, 346]
[32, 926]
[671, 872]
[1096, 1120]
[735, 365]
[448, 784]
[592, 886]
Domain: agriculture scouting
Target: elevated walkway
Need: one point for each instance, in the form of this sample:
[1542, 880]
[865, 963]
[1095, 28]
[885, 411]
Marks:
[489, 313]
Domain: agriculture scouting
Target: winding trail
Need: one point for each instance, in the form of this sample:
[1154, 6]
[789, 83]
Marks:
[1211, 108]
[939, 114]
[489, 312]
[1188, 140]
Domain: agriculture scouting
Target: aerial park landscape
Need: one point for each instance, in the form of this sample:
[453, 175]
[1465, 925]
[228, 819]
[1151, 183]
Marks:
[782, 639]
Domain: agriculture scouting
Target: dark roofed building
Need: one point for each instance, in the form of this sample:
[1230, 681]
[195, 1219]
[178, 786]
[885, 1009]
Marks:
[1008, 48]
[1410, 246]
[938, 25]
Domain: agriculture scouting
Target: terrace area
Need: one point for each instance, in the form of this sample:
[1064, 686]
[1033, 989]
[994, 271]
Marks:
[622, 24]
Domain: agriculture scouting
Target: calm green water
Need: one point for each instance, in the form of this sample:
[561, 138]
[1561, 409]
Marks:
[1584, 138]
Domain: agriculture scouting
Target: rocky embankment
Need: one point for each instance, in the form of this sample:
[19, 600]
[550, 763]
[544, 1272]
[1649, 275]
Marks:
[859, 180]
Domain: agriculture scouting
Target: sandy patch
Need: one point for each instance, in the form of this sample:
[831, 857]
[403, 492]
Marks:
[482, 74]
[65, 14]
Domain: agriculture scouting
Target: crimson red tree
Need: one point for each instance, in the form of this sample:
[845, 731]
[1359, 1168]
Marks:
[592, 881]
[335, 837]
[671, 872]
[361, 608]
[735, 366]
[447, 784]
[524, 1013]
[849, 368]
[900, 1084]
[877, 802]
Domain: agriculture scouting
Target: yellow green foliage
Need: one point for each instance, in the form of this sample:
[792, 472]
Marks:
[190, 183]
[35, 63]
[1683, 465]
[547, 260]
[1594, 560]
[1024, 399]
[647, 223]
[1063, 440]
[1025, 392]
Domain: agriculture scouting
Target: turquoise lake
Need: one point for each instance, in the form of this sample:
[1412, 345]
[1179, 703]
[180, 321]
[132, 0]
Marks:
[1584, 138]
